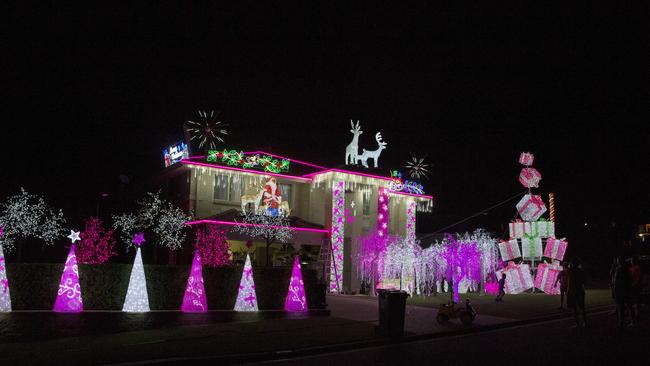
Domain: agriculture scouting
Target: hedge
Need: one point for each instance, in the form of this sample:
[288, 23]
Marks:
[33, 286]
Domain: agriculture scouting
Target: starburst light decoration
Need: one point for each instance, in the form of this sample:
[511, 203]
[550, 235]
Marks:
[417, 168]
[207, 130]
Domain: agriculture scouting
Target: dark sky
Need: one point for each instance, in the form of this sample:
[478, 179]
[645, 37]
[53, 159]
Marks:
[94, 93]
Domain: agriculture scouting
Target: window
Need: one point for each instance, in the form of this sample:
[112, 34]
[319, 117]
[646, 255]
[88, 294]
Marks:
[366, 204]
[221, 187]
[236, 183]
[285, 192]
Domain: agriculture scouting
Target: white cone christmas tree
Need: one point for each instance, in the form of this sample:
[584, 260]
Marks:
[137, 299]
[5, 299]
[246, 298]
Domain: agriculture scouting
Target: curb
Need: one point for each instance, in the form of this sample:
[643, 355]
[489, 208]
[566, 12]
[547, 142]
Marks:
[253, 358]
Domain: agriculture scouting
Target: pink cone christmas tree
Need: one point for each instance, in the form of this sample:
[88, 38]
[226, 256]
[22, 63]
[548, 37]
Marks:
[246, 298]
[5, 299]
[68, 298]
[296, 300]
[194, 300]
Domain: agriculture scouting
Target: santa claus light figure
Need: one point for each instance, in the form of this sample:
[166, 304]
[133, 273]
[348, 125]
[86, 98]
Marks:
[272, 197]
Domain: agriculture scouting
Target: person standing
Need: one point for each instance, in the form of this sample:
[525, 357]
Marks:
[563, 279]
[502, 288]
[575, 294]
[635, 287]
[622, 287]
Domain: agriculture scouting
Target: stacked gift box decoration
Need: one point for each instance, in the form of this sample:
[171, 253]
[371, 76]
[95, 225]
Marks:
[532, 250]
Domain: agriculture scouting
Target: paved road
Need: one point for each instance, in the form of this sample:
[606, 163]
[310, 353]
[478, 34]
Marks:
[548, 343]
[419, 320]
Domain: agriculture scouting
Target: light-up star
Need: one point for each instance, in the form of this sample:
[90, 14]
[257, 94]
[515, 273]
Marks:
[74, 236]
[352, 204]
[138, 239]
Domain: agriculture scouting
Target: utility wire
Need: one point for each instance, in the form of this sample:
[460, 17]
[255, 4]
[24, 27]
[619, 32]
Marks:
[474, 215]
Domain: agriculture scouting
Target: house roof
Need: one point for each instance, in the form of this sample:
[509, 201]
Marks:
[300, 170]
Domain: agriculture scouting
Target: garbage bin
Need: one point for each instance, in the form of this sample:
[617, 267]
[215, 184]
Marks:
[392, 305]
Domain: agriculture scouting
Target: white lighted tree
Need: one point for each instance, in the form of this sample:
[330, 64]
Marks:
[271, 229]
[27, 215]
[162, 218]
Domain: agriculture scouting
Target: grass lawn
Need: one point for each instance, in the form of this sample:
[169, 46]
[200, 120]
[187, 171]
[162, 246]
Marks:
[520, 306]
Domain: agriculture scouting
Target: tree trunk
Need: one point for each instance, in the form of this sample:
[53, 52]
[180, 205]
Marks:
[268, 247]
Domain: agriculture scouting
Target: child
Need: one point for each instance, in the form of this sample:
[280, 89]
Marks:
[502, 288]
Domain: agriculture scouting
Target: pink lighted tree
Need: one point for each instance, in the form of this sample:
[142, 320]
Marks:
[459, 260]
[97, 244]
[372, 255]
[296, 300]
[194, 300]
[68, 297]
[212, 246]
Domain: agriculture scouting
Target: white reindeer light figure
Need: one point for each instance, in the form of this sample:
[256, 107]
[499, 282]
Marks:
[352, 150]
[252, 198]
[374, 154]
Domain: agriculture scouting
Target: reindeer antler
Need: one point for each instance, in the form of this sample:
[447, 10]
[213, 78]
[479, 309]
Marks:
[379, 141]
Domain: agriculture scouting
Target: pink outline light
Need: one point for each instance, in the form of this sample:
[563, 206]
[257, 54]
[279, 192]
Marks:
[243, 170]
[246, 224]
[286, 158]
[348, 172]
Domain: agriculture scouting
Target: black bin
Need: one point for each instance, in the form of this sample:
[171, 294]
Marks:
[392, 305]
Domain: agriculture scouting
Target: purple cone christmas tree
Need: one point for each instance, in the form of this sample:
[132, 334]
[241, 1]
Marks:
[68, 298]
[194, 300]
[296, 300]
[5, 299]
[246, 298]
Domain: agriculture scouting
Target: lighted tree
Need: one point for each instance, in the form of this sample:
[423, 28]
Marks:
[68, 297]
[372, 253]
[402, 259]
[458, 260]
[194, 300]
[159, 217]
[27, 215]
[97, 244]
[246, 297]
[296, 300]
[271, 229]
[5, 298]
[137, 298]
[212, 246]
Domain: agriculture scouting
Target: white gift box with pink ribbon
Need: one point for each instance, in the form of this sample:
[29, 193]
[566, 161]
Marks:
[526, 158]
[531, 207]
[546, 276]
[509, 250]
[530, 177]
[555, 248]
[517, 229]
[518, 278]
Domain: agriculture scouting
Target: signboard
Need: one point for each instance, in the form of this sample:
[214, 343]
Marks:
[175, 153]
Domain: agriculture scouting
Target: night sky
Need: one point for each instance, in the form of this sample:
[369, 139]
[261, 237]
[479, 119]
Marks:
[94, 93]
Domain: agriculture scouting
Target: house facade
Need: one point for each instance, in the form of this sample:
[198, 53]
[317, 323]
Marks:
[327, 209]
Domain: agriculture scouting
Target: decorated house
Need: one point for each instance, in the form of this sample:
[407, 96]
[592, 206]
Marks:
[264, 200]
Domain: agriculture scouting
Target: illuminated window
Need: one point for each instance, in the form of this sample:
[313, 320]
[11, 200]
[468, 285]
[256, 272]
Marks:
[366, 204]
[221, 187]
[285, 192]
